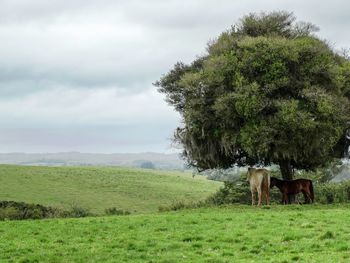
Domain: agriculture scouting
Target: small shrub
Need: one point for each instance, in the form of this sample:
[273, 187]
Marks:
[232, 192]
[174, 206]
[116, 211]
[347, 191]
[327, 235]
[329, 193]
[19, 210]
[178, 205]
[295, 258]
[10, 213]
[77, 211]
[238, 193]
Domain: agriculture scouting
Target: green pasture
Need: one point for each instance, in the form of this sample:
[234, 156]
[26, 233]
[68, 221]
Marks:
[308, 233]
[98, 188]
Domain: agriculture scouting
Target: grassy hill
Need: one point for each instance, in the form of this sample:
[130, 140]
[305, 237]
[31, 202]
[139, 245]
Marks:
[98, 188]
[310, 233]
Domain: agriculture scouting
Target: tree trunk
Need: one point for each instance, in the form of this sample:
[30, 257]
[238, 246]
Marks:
[286, 169]
[287, 174]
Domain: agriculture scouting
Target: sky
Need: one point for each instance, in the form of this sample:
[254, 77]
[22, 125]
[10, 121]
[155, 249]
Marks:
[77, 75]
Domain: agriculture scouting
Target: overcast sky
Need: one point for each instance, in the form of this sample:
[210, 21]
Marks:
[77, 75]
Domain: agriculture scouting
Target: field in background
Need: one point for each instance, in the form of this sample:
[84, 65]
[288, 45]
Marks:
[309, 233]
[98, 188]
[158, 160]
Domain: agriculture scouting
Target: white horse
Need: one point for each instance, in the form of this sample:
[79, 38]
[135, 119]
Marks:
[259, 181]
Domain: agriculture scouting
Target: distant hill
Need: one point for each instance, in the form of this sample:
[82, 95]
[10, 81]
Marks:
[159, 160]
[99, 188]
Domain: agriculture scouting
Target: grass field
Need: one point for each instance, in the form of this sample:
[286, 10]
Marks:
[309, 233]
[98, 188]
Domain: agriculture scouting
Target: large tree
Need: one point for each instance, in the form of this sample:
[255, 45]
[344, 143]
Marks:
[267, 91]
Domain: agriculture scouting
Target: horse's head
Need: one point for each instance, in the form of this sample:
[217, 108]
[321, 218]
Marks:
[273, 181]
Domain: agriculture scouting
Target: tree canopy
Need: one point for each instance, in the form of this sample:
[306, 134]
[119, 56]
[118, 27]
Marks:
[267, 91]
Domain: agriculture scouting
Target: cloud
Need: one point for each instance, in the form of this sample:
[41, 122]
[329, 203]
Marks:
[70, 67]
[95, 120]
[82, 55]
[125, 44]
[63, 106]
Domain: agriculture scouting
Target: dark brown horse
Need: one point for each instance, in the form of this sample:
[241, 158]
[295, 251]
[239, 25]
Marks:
[294, 187]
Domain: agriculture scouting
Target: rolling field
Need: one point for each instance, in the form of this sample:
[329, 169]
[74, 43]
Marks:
[98, 188]
[309, 233]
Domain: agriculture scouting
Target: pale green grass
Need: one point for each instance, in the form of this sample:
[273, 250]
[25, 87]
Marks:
[310, 233]
[98, 188]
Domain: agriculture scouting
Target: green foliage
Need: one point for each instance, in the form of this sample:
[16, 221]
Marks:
[267, 92]
[329, 193]
[222, 175]
[274, 24]
[239, 193]
[116, 211]
[231, 193]
[180, 204]
[98, 188]
[327, 235]
[78, 211]
[176, 205]
[11, 210]
[10, 213]
[327, 173]
[239, 233]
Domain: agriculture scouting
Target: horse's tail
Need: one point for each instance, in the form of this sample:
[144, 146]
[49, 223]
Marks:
[267, 180]
[312, 191]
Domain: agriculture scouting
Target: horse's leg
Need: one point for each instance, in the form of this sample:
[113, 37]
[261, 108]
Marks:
[259, 196]
[282, 202]
[267, 197]
[285, 199]
[266, 189]
[306, 196]
[252, 190]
